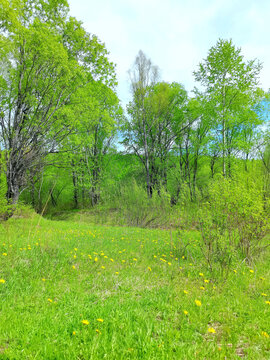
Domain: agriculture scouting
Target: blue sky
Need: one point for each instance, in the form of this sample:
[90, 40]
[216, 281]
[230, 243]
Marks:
[176, 34]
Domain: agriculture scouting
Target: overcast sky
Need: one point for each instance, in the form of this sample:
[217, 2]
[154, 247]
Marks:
[176, 34]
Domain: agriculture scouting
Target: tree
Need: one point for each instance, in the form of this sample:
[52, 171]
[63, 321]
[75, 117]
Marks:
[155, 119]
[46, 56]
[99, 113]
[143, 76]
[229, 84]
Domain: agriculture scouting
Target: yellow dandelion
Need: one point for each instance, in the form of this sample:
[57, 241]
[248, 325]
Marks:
[235, 271]
[102, 267]
[202, 287]
[85, 322]
[96, 259]
[74, 267]
[134, 259]
[251, 271]
[43, 279]
[206, 281]
[117, 273]
[149, 268]
[183, 257]
[264, 333]
[155, 256]
[105, 257]
[2, 281]
[123, 261]
[185, 292]
[75, 249]
[97, 331]
[180, 268]
[90, 257]
[201, 274]
[112, 260]
[267, 302]
[50, 300]
[198, 303]
[169, 263]
[185, 312]
[263, 294]
[4, 254]
[75, 256]
[100, 320]
[211, 330]
[262, 278]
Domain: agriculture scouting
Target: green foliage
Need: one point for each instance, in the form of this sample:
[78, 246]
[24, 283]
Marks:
[235, 220]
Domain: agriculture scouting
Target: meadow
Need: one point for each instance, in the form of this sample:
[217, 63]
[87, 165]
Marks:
[74, 290]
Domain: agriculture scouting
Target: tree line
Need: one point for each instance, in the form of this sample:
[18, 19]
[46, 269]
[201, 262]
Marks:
[59, 110]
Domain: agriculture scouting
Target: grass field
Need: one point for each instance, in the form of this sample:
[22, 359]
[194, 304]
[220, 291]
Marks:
[78, 291]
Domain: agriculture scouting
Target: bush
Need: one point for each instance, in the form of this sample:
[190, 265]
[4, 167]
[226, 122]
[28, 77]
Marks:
[235, 219]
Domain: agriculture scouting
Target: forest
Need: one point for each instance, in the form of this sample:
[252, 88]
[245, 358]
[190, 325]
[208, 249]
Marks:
[186, 172]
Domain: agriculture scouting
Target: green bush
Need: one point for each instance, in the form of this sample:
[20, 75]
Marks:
[234, 220]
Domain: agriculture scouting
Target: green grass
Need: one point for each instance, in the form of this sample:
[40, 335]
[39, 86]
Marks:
[53, 283]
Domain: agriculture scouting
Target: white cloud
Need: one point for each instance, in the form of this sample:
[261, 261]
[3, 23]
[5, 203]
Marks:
[176, 34]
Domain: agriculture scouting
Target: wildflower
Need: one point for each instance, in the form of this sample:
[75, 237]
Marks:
[105, 257]
[202, 287]
[123, 261]
[263, 294]
[75, 256]
[264, 333]
[117, 273]
[185, 292]
[85, 322]
[100, 320]
[74, 333]
[102, 267]
[43, 279]
[251, 271]
[206, 281]
[4, 254]
[169, 263]
[262, 278]
[50, 300]
[112, 260]
[75, 249]
[198, 303]
[190, 264]
[211, 330]
[74, 267]
[97, 331]
[90, 257]
[2, 281]
[180, 268]
[185, 312]
[183, 257]
[149, 268]
[235, 271]
[96, 259]
[134, 259]
[201, 274]
[267, 302]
